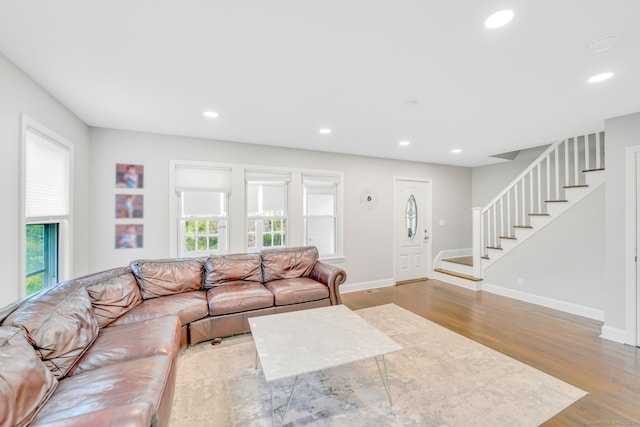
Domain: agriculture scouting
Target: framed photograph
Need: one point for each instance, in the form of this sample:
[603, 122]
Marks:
[129, 236]
[129, 176]
[129, 205]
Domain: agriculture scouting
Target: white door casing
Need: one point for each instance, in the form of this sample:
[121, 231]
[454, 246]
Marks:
[636, 309]
[412, 235]
[632, 237]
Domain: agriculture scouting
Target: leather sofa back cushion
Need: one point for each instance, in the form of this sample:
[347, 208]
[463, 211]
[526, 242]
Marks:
[288, 263]
[167, 277]
[59, 324]
[224, 269]
[25, 382]
[113, 293]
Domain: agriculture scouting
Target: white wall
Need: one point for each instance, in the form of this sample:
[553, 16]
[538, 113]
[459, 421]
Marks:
[19, 94]
[620, 132]
[561, 266]
[368, 245]
[487, 181]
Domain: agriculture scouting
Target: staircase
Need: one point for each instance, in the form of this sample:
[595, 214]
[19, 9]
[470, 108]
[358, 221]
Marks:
[565, 173]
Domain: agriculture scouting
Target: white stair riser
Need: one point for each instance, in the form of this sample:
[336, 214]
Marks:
[555, 209]
[459, 268]
[458, 281]
[508, 244]
[523, 233]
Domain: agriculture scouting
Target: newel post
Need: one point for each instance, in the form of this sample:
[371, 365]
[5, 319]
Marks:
[476, 241]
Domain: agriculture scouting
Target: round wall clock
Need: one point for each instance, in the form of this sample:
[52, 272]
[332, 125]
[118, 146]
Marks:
[368, 199]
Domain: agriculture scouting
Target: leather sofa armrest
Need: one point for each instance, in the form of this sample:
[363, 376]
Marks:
[331, 276]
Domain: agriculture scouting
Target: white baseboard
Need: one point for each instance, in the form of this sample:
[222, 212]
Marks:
[363, 286]
[567, 307]
[614, 334]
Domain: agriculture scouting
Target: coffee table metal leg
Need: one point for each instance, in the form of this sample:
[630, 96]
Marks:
[273, 408]
[385, 378]
[295, 384]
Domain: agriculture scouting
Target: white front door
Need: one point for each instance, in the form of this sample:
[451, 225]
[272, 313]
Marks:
[412, 229]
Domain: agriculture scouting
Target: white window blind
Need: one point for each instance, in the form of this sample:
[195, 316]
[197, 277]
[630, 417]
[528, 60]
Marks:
[47, 185]
[260, 176]
[202, 178]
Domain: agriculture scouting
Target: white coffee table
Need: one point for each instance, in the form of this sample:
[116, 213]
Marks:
[300, 342]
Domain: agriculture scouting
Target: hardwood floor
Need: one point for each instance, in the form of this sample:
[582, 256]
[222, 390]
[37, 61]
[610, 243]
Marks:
[560, 344]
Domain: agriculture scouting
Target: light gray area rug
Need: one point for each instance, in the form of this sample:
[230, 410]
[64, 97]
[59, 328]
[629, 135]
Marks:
[439, 379]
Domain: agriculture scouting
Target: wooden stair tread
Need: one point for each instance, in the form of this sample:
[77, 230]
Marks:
[498, 248]
[593, 170]
[576, 186]
[462, 260]
[484, 257]
[522, 226]
[460, 275]
[508, 237]
[556, 201]
[538, 214]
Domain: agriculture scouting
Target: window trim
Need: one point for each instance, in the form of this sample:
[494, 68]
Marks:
[65, 223]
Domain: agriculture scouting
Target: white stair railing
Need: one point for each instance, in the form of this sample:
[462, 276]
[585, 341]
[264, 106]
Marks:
[559, 167]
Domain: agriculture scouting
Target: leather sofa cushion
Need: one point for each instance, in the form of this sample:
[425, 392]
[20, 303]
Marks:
[222, 269]
[112, 293]
[167, 277]
[237, 297]
[25, 382]
[297, 290]
[151, 337]
[188, 306]
[288, 263]
[103, 397]
[59, 324]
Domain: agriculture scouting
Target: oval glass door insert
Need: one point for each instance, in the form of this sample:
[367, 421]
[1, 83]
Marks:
[412, 217]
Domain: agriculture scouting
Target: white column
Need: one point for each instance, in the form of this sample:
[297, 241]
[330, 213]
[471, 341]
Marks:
[476, 241]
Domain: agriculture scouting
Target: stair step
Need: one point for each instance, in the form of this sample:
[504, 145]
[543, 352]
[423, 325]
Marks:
[498, 248]
[576, 186]
[463, 260]
[538, 214]
[508, 237]
[522, 226]
[593, 170]
[485, 257]
[556, 201]
[460, 275]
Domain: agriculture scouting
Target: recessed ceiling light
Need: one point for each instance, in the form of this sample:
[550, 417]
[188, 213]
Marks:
[456, 151]
[600, 77]
[404, 143]
[324, 131]
[499, 19]
[210, 114]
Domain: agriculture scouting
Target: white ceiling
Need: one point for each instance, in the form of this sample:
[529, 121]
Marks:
[374, 71]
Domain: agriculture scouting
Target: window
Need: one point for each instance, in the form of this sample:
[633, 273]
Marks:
[42, 256]
[203, 194]
[320, 212]
[203, 220]
[267, 209]
[236, 208]
[47, 205]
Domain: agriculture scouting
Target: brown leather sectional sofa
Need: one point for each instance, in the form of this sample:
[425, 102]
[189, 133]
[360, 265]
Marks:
[102, 349]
